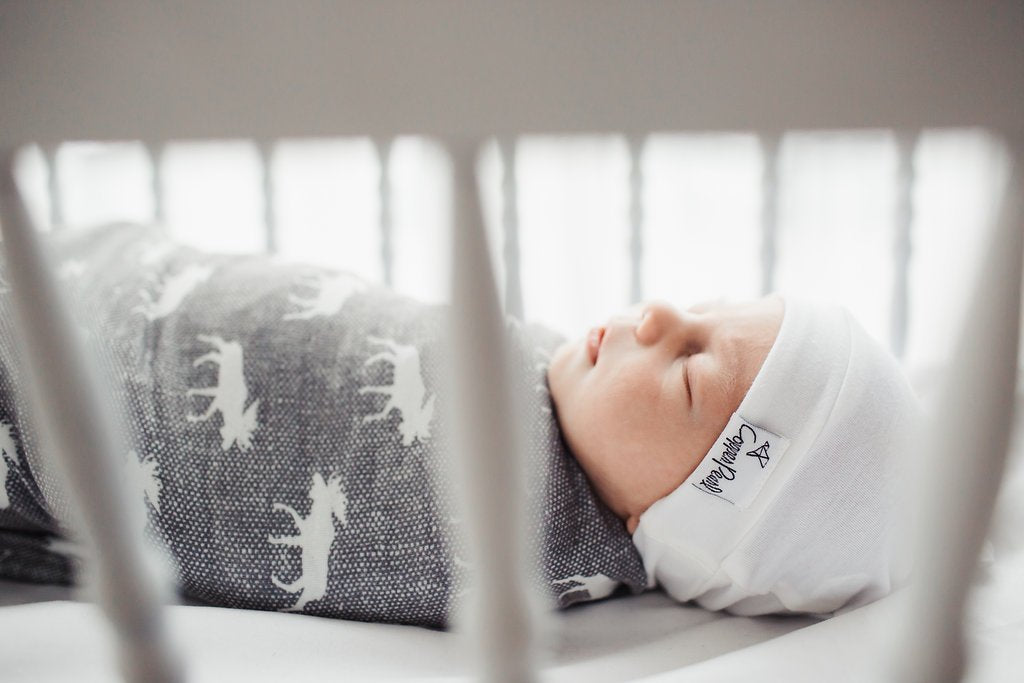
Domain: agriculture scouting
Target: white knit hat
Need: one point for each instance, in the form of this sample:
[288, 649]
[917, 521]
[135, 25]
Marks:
[797, 505]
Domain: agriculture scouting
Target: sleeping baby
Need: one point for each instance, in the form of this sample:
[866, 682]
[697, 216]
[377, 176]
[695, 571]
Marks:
[286, 441]
[753, 450]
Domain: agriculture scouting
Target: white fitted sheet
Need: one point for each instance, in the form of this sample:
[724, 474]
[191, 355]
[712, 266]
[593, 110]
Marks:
[49, 637]
[647, 638]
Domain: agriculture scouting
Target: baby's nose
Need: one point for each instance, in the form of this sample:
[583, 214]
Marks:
[655, 319]
[662, 321]
[623, 324]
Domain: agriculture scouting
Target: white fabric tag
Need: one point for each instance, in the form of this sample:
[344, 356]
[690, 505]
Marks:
[738, 465]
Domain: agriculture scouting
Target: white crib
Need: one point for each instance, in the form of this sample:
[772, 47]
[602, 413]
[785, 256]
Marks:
[463, 73]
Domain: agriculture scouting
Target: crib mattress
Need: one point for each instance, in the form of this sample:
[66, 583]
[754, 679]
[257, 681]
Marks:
[50, 637]
[47, 636]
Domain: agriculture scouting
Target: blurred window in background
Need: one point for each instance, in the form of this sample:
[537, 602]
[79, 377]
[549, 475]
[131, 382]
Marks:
[817, 214]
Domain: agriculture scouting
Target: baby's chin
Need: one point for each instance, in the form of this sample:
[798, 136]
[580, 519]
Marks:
[560, 369]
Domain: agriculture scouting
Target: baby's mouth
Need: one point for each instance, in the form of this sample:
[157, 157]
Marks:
[594, 339]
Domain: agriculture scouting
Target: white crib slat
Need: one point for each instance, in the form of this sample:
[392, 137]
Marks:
[965, 452]
[156, 153]
[383, 147]
[636, 217]
[906, 142]
[266, 150]
[510, 228]
[82, 437]
[770, 145]
[486, 444]
[51, 152]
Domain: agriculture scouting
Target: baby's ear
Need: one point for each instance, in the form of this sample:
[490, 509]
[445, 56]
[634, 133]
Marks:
[631, 523]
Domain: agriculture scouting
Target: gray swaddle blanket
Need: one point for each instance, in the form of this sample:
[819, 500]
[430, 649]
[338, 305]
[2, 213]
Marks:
[287, 438]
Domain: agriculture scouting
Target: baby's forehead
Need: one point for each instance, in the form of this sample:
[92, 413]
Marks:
[744, 309]
[721, 303]
[707, 305]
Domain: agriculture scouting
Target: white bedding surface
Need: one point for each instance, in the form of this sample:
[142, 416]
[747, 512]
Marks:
[46, 635]
[615, 640]
[647, 638]
[862, 645]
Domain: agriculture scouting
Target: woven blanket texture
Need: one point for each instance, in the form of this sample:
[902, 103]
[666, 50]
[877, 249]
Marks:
[286, 437]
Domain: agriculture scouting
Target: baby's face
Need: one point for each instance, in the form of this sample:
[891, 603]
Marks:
[642, 399]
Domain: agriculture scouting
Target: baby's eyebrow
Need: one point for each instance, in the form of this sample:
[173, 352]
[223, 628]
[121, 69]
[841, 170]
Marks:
[686, 380]
[725, 375]
[730, 380]
[729, 376]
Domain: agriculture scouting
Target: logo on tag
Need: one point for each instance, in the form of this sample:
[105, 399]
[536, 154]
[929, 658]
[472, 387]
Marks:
[737, 466]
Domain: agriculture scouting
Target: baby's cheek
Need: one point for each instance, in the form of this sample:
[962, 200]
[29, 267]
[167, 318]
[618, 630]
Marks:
[556, 368]
[565, 372]
[612, 472]
[631, 392]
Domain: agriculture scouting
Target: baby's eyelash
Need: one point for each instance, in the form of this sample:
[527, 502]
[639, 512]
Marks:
[686, 379]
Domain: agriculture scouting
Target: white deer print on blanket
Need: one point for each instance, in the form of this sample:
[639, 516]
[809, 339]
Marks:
[141, 477]
[8, 452]
[144, 476]
[230, 394]
[332, 291]
[173, 291]
[316, 536]
[407, 393]
[598, 586]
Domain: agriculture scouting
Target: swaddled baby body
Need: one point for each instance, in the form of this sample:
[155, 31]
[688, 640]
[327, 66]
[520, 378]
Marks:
[286, 438]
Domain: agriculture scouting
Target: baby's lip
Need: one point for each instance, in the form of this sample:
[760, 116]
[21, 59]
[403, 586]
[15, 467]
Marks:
[594, 339]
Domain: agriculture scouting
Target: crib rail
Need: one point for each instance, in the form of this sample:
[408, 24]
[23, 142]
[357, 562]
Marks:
[470, 70]
[501, 621]
[966, 447]
[488, 442]
[503, 643]
[79, 430]
[458, 68]
[501, 618]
